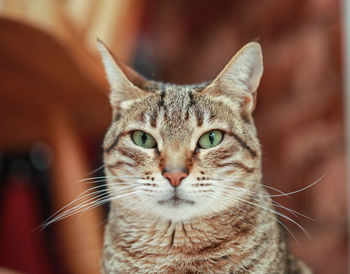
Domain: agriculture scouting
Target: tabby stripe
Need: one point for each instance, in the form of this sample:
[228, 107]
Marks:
[199, 116]
[244, 145]
[191, 103]
[252, 262]
[172, 237]
[116, 117]
[135, 155]
[162, 95]
[265, 250]
[142, 117]
[242, 166]
[238, 165]
[115, 142]
[213, 247]
[225, 153]
[121, 163]
[153, 119]
[187, 115]
[184, 229]
[212, 116]
[111, 170]
[113, 145]
[167, 229]
[190, 94]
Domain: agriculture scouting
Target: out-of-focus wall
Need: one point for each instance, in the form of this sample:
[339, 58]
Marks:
[82, 20]
[54, 92]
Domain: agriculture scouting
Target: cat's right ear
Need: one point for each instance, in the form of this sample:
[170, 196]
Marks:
[125, 83]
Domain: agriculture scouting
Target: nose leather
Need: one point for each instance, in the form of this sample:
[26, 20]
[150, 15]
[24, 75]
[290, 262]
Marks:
[175, 178]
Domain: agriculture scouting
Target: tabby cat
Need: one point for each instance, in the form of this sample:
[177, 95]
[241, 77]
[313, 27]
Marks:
[183, 169]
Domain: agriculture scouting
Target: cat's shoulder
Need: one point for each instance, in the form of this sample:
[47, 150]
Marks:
[297, 266]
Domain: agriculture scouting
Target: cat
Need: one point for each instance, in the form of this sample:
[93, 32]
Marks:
[183, 169]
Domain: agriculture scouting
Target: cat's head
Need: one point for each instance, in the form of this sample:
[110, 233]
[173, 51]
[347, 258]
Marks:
[181, 152]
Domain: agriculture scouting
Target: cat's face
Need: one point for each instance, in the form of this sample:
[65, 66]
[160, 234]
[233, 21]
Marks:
[180, 152]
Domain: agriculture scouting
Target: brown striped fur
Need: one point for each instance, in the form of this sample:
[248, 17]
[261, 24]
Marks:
[219, 219]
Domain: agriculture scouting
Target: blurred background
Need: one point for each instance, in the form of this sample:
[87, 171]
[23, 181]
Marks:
[54, 111]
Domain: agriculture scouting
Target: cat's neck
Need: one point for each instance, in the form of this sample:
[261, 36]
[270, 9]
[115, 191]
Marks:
[199, 235]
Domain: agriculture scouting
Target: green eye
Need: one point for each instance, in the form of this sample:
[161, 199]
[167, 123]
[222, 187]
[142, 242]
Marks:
[210, 139]
[143, 139]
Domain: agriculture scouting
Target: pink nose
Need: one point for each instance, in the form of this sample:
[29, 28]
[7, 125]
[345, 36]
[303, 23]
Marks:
[175, 178]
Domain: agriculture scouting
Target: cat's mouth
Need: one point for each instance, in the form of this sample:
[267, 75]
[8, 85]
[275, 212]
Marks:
[175, 201]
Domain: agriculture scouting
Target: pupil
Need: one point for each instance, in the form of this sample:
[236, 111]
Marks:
[211, 137]
[144, 138]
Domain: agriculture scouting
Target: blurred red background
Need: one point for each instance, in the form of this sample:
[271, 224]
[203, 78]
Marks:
[54, 102]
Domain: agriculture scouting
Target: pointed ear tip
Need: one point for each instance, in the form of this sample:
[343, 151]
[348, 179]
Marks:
[252, 49]
[100, 45]
[103, 49]
[99, 42]
[254, 46]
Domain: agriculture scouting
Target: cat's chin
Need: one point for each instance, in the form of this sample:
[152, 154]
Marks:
[178, 214]
[177, 210]
[175, 202]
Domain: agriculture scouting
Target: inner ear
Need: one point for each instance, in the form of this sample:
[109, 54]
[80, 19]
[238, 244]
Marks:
[111, 62]
[134, 77]
[247, 106]
[240, 78]
[126, 84]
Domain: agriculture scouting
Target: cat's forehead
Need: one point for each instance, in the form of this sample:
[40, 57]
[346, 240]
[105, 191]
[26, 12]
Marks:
[175, 112]
[174, 105]
[155, 86]
[176, 98]
[173, 100]
[175, 109]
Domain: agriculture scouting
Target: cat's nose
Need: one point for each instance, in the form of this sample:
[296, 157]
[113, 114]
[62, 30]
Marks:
[175, 178]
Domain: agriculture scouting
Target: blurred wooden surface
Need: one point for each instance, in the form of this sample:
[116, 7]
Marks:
[37, 74]
[53, 89]
[81, 234]
[117, 23]
[46, 96]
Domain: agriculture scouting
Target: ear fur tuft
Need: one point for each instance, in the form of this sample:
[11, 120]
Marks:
[125, 83]
[241, 76]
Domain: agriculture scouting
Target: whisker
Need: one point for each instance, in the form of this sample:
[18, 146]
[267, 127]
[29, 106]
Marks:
[257, 183]
[112, 214]
[294, 212]
[234, 213]
[273, 211]
[97, 169]
[275, 189]
[108, 177]
[265, 213]
[81, 196]
[105, 191]
[90, 204]
[306, 187]
[84, 201]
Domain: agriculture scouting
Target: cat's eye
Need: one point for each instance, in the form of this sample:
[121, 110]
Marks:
[143, 139]
[210, 139]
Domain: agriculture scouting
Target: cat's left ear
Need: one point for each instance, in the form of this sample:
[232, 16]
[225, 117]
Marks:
[241, 77]
[126, 84]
